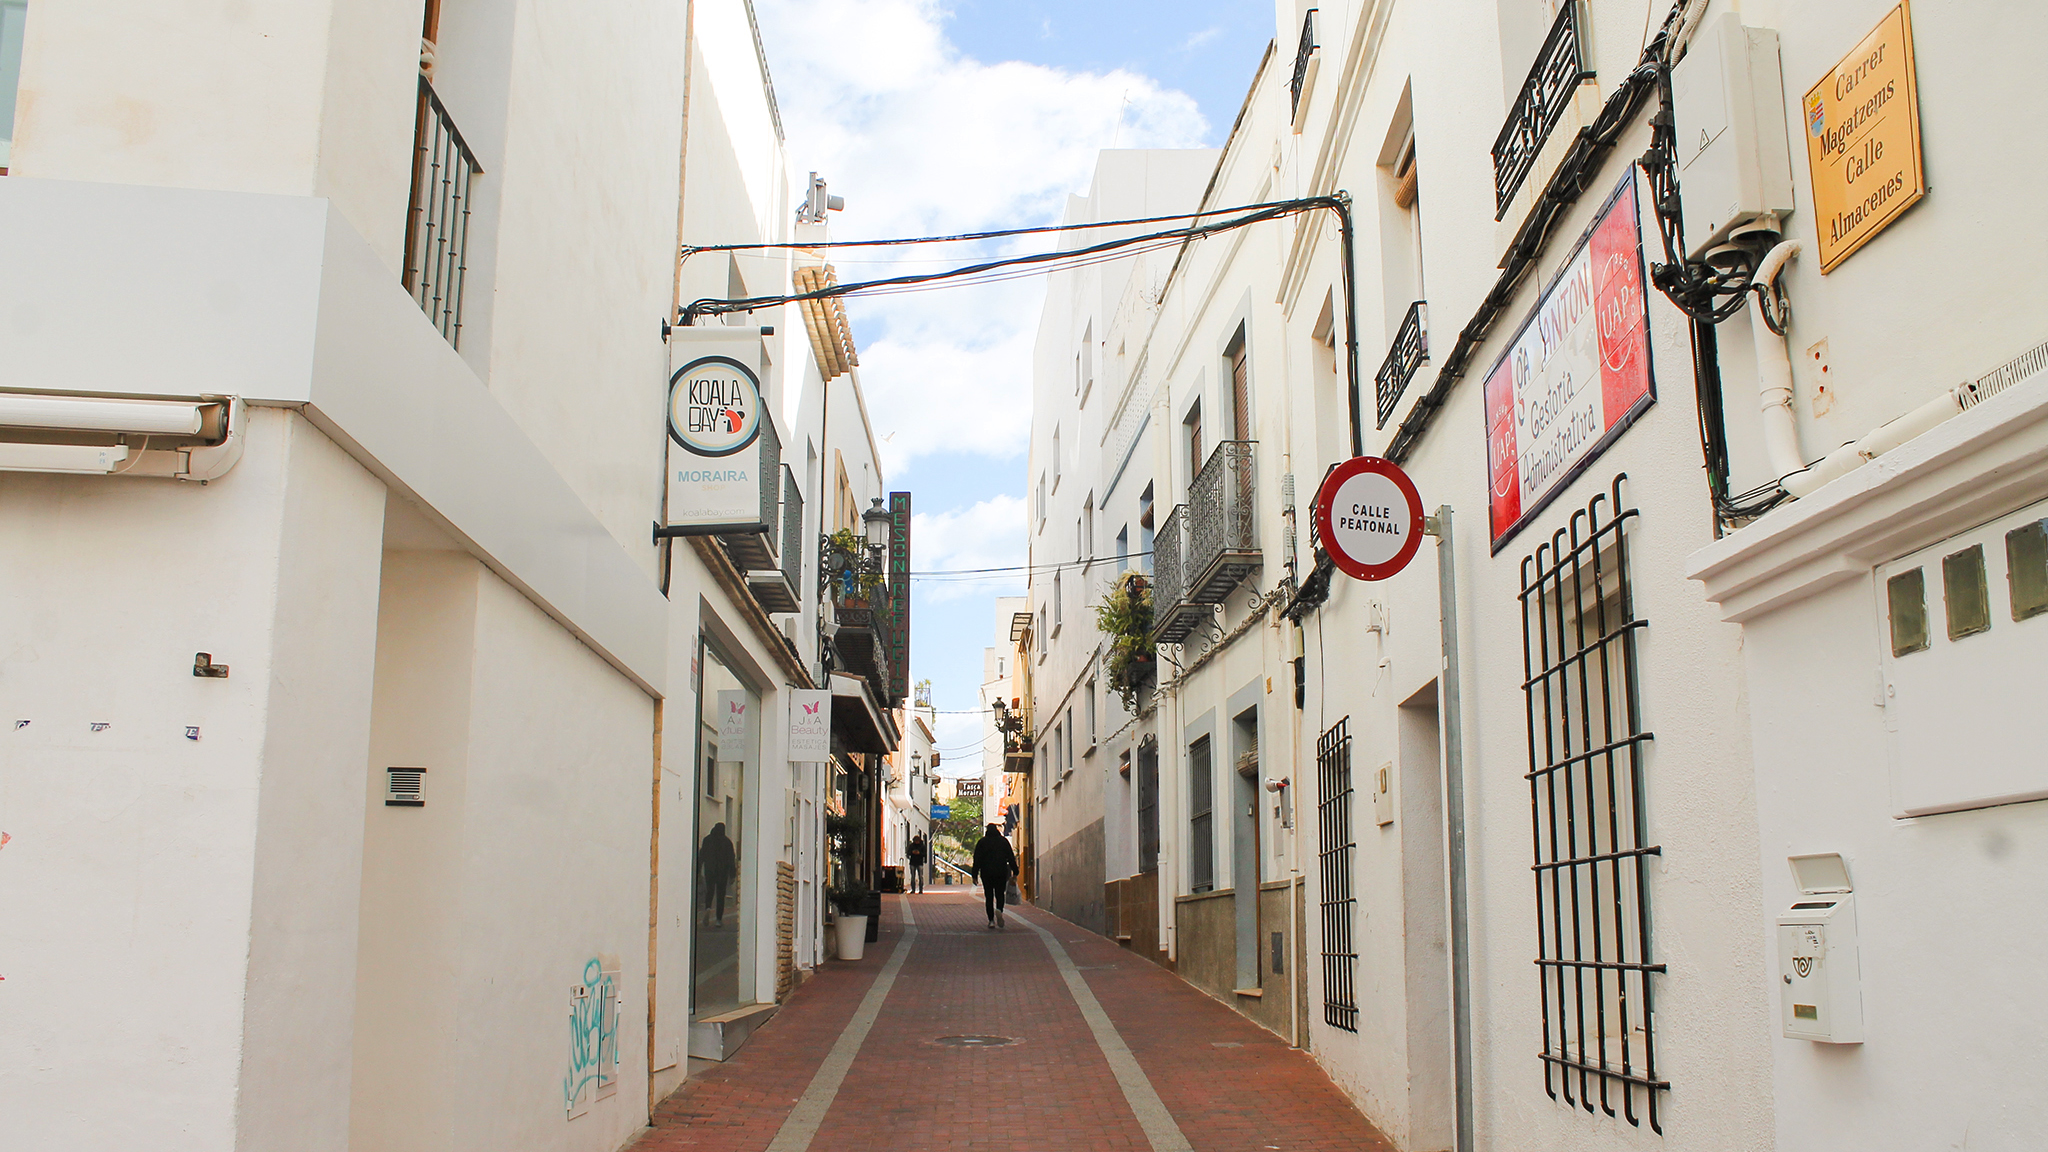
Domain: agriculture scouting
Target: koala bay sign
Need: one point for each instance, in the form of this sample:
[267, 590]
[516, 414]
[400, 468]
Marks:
[724, 454]
[1369, 517]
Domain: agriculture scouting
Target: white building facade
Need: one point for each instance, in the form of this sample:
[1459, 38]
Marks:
[415, 855]
[1684, 900]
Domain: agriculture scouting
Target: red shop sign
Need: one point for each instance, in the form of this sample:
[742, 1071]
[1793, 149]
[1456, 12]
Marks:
[1369, 517]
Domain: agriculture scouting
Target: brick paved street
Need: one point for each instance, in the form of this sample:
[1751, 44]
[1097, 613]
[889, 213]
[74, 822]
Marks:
[1228, 1084]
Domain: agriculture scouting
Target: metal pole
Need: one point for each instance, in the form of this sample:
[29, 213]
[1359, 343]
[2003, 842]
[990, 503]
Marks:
[1452, 723]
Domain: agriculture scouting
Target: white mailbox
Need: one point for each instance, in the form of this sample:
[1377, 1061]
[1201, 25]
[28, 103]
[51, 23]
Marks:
[1821, 984]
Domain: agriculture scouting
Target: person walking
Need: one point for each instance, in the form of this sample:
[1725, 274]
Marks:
[718, 864]
[917, 855]
[995, 864]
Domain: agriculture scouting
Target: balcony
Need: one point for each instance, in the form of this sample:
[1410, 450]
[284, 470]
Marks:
[1409, 352]
[775, 589]
[753, 550]
[867, 629]
[1223, 538]
[437, 219]
[1559, 70]
[1173, 615]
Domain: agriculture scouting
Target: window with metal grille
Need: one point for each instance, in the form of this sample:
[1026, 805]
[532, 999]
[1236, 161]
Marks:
[1333, 857]
[1201, 819]
[1586, 745]
[1148, 808]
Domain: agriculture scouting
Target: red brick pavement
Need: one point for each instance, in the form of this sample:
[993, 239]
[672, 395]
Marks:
[1230, 1084]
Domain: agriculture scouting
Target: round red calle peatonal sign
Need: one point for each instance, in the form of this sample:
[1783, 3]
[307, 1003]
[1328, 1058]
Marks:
[1369, 517]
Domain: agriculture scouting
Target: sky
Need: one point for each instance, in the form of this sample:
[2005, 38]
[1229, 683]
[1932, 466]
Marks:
[938, 118]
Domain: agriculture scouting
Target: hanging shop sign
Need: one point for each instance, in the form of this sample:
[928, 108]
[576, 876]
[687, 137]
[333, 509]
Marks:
[732, 716]
[968, 788]
[1575, 375]
[1863, 140]
[716, 415]
[1369, 517]
[810, 725]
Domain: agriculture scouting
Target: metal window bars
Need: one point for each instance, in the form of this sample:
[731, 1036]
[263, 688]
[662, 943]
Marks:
[792, 529]
[1586, 746]
[1333, 860]
[1223, 543]
[437, 219]
[1302, 55]
[1409, 352]
[1559, 69]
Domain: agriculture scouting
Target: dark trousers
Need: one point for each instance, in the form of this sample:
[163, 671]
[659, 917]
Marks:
[992, 888]
[917, 875]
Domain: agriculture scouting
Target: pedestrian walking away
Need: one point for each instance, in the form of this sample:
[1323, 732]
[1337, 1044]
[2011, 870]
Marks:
[917, 856]
[995, 863]
[718, 864]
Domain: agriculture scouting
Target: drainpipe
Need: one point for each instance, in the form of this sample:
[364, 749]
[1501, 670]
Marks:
[1774, 370]
[1453, 727]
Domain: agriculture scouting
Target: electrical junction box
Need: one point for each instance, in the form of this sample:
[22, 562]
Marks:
[1821, 982]
[1734, 156]
[1383, 795]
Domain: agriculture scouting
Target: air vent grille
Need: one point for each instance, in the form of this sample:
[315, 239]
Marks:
[405, 787]
[2004, 376]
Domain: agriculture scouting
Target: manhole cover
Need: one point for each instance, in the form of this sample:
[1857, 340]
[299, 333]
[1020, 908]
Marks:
[976, 1041]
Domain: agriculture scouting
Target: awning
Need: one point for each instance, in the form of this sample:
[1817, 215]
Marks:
[858, 724]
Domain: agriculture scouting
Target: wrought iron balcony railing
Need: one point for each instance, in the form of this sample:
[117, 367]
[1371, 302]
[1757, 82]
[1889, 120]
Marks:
[1173, 615]
[1559, 69]
[867, 628]
[437, 219]
[1223, 541]
[1302, 57]
[1410, 351]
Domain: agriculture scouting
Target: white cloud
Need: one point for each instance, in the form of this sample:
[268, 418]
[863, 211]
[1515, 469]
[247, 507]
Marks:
[922, 140]
[989, 534]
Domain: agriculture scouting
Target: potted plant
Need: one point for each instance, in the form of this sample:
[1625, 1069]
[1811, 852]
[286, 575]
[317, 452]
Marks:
[1125, 617]
[850, 928]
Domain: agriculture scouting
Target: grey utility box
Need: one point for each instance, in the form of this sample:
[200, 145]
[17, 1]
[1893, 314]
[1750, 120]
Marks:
[1734, 154]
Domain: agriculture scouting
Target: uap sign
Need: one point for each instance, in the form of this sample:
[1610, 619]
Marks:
[723, 463]
[1369, 517]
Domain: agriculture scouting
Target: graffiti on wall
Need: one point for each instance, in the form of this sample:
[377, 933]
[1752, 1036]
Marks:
[593, 1036]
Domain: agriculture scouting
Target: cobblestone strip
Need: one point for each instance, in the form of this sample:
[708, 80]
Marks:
[802, 1124]
[1160, 1129]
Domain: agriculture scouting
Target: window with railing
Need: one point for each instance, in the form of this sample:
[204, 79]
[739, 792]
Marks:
[13, 26]
[1559, 69]
[1223, 528]
[792, 529]
[444, 171]
[1304, 55]
[1334, 849]
[1409, 352]
[1586, 747]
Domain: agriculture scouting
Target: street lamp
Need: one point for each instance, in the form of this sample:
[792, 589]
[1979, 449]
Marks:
[876, 522]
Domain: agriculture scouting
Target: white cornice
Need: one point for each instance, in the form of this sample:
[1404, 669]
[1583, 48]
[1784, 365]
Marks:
[1981, 464]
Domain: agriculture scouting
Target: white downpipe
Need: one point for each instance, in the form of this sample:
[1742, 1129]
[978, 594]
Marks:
[1774, 370]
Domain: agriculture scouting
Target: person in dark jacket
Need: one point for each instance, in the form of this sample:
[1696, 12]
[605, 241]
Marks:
[916, 856]
[718, 864]
[995, 863]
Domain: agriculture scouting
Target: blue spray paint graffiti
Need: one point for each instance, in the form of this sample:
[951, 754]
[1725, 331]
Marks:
[593, 1036]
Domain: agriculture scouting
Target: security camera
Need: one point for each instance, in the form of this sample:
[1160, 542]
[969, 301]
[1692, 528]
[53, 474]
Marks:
[1276, 785]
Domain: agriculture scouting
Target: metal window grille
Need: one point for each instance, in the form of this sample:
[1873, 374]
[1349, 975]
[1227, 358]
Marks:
[1559, 69]
[792, 529]
[1148, 808]
[1334, 851]
[1409, 352]
[1586, 744]
[437, 220]
[1201, 818]
[1302, 54]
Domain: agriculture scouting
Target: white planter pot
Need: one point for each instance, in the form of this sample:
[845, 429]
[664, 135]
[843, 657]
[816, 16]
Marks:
[853, 936]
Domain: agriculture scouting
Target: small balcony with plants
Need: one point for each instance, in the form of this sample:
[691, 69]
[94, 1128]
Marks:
[1124, 616]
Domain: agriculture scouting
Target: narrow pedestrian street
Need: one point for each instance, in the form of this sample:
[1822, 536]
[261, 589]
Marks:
[1040, 1036]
